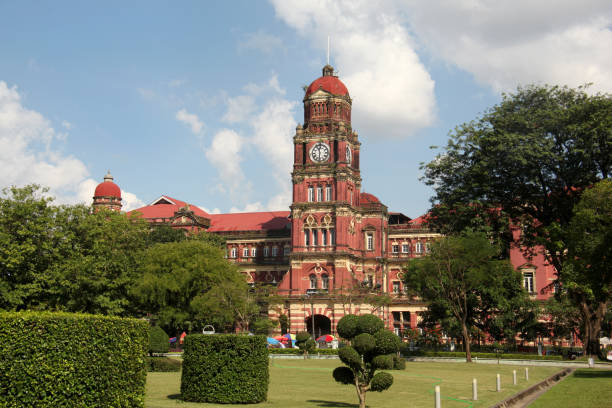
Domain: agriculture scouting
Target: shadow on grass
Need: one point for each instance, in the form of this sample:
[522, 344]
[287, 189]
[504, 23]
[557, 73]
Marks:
[593, 374]
[333, 404]
[175, 396]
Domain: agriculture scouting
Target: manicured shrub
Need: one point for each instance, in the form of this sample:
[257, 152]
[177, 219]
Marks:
[225, 368]
[305, 343]
[347, 326]
[369, 324]
[344, 375]
[387, 342]
[71, 360]
[323, 352]
[381, 381]
[383, 362]
[163, 364]
[350, 357]
[364, 343]
[158, 340]
[399, 363]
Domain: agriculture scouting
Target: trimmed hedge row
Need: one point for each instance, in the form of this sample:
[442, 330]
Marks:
[296, 351]
[71, 360]
[225, 368]
[163, 364]
[504, 356]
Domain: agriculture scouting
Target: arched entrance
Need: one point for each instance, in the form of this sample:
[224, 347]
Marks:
[321, 326]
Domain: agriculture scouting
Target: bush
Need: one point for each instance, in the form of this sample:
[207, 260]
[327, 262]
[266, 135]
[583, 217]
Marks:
[344, 375]
[324, 352]
[163, 364]
[71, 360]
[350, 357]
[399, 363]
[387, 342]
[364, 343]
[347, 326]
[369, 324]
[225, 368]
[422, 353]
[381, 381]
[158, 340]
[383, 362]
[304, 342]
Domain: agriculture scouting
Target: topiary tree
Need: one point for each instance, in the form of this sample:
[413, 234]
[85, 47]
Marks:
[158, 340]
[372, 348]
[305, 343]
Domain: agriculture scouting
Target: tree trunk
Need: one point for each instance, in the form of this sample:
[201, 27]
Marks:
[362, 397]
[466, 342]
[592, 327]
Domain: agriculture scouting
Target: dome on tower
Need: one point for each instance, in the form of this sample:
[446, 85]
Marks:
[107, 188]
[328, 82]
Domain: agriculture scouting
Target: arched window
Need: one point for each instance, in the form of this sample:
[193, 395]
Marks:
[313, 281]
[324, 281]
[233, 253]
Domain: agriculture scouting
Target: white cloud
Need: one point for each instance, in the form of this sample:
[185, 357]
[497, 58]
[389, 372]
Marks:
[225, 154]
[67, 125]
[261, 41]
[28, 154]
[176, 83]
[190, 120]
[392, 91]
[239, 108]
[213, 211]
[504, 44]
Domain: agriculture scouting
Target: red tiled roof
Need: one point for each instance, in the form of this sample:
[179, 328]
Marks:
[421, 219]
[163, 210]
[107, 189]
[254, 221]
[367, 198]
[328, 83]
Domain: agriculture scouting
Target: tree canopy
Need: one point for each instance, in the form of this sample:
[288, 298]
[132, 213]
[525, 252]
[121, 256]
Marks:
[465, 283]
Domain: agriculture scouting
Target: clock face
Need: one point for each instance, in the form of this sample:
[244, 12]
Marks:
[348, 154]
[319, 152]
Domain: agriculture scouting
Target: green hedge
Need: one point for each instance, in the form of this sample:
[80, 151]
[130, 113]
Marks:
[158, 340]
[225, 368]
[163, 364]
[71, 360]
[419, 353]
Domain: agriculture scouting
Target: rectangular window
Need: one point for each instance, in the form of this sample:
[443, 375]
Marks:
[405, 248]
[427, 247]
[310, 193]
[233, 253]
[286, 250]
[328, 193]
[306, 237]
[528, 282]
[418, 248]
[274, 251]
[332, 237]
[253, 252]
[396, 287]
[315, 236]
[324, 237]
[245, 252]
[395, 248]
[266, 251]
[319, 193]
[369, 241]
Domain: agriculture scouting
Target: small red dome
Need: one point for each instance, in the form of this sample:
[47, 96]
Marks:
[366, 198]
[328, 82]
[107, 188]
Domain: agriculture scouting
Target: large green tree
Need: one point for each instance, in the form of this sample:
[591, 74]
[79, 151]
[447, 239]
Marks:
[178, 281]
[526, 159]
[586, 274]
[463, 279]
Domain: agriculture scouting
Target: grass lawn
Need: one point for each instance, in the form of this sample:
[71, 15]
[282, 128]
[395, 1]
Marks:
[309, 383]
[584, 388]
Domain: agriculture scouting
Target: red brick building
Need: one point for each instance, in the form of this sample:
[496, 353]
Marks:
[338, 249]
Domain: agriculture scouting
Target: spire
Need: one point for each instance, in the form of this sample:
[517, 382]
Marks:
[108, 176]
[328, 70]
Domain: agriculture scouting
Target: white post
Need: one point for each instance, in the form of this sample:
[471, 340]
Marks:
[437, 396]
[591, 362]
[474, 390]
[527, 373]
[498, 388]
[514, 377]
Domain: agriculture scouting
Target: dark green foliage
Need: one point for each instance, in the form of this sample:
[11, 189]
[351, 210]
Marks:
[302, 337]
[323, 352]
[304, 342]
[347, 326]
[163, 364]
[344, 375]
[369, 324]
[263, 326]
[158, 340]
[387, 342]
[383, 362]
[71, 360]
[370, 350]
[226, 368]
[381, 381]
[364, 343]
[399, 363]
[350, 357]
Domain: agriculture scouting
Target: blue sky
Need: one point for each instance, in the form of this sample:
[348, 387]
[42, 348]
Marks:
[199, 100]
